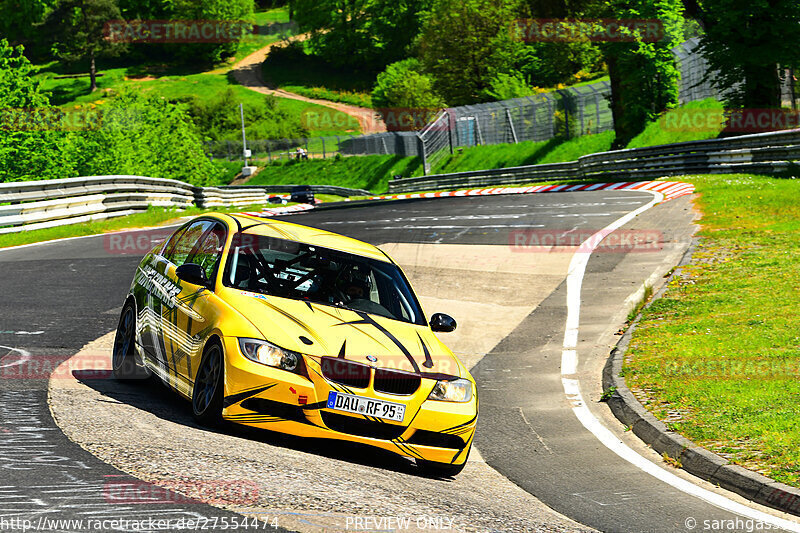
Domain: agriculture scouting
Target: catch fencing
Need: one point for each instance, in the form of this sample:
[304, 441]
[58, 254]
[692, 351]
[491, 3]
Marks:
[767, 153]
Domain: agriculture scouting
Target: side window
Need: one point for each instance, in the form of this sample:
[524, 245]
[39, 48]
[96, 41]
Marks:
[186, 242]
[207, 255]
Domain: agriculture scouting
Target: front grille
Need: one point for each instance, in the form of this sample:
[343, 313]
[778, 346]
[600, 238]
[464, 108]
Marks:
[361, 427]
[346, 372]
[440, 440]
[394, 382]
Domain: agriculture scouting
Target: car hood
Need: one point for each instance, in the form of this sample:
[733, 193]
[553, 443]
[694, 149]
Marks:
[352, 335]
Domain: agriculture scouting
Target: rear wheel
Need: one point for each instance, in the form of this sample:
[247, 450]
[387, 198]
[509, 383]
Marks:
[123, 358]
[208, 388]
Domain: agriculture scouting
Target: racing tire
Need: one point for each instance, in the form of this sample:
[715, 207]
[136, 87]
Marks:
[123, 355]
[208, 388]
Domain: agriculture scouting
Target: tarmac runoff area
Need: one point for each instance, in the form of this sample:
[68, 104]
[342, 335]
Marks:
[316, 486]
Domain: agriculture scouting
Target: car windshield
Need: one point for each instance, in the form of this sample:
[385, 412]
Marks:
[300, 271]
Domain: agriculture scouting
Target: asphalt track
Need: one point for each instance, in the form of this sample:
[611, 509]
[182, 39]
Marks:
[59, 296]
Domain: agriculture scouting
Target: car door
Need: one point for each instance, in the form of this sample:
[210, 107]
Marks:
[186, 326]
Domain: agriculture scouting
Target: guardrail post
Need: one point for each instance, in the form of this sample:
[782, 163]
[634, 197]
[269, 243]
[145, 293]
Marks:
[323, 147]
[451, 121]
[422, 154]
[511, 125]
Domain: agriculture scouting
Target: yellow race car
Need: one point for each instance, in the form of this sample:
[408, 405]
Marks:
[297, 330]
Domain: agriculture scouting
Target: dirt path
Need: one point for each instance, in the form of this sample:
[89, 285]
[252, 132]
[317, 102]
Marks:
[248, 73]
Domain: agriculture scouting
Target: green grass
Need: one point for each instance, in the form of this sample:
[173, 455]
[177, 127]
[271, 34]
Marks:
[312, 77]
[722, 347]
[251, 43]
[69, 93]
[524, 153]
[694, 121]
[176, 82]
[370, 172]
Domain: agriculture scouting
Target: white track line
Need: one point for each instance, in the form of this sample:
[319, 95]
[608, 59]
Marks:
[26, 356]
[569, 362]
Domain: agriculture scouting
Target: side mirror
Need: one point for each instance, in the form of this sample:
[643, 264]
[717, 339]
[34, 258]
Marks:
[443, 323]
[192, 273]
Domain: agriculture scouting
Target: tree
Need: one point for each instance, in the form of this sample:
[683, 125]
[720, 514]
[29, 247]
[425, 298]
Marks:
[403, 85]
[643, 75]
[360, 33]
[465, 44]
[19, 17]
[29, 148]
[744, 42]
[79, 32]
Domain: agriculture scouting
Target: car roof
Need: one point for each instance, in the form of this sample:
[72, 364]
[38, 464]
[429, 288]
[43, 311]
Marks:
[299, 233]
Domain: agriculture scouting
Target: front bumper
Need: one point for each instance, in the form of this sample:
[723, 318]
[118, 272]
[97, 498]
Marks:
[270, 398]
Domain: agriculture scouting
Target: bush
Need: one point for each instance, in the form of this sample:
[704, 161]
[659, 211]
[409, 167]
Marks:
[403, 84]
[220, 119]
[506, 87]
[146, 136]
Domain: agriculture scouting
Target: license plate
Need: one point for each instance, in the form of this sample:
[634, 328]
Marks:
[366, 406]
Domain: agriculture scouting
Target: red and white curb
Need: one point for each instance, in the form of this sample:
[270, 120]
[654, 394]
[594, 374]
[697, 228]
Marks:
[669, 189]
[290, 210]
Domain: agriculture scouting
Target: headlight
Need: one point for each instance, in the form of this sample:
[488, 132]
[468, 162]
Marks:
[458, 390]
[269, 354]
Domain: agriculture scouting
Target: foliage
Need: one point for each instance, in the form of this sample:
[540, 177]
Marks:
[291, 68]
[743, 42]
[403, 85]
[26, 152]
[143, 135]
[77, 31]
[507, 86]
[19, 17]
[660, 131]
[147, 136]
[644, 78]
[464, 44]
[192, 53]
[362, 33]
[220, 119]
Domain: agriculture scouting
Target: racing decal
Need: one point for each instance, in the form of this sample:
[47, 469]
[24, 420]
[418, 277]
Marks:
[428, 361]
[341, 352]
[233, 399]
[366, 319]
[158, 285]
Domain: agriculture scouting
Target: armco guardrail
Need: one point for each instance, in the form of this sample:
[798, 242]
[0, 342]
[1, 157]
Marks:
[33, 205]
[759, 153]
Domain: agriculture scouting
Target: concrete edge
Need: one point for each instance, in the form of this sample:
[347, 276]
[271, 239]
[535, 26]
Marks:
[693, 458]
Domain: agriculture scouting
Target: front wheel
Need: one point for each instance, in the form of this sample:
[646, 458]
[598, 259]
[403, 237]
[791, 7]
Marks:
[123, 358]
[208, 388]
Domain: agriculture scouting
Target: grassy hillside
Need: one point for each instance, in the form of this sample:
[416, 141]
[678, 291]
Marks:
[369, 172]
